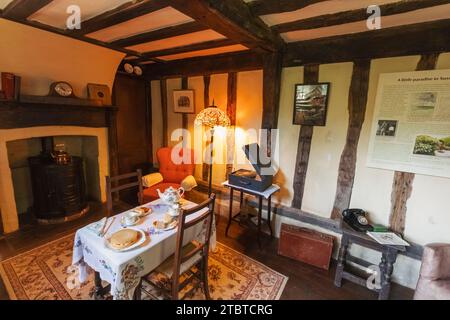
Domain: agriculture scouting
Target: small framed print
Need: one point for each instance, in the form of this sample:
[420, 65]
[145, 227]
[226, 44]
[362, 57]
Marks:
[311, 104]
[183, 101]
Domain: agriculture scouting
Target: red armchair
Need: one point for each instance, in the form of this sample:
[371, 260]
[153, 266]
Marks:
[170, 174]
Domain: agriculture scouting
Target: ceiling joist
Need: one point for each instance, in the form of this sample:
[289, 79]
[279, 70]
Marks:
[127, 11]
[233, 19]
[356, 15]
[22, 9]
[265, 7]
[159, 34]
[189, 48]
[414, 39]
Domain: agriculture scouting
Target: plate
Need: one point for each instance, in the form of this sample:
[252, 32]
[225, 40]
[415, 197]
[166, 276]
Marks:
[133, 246]
[142, 214]
[171, 226]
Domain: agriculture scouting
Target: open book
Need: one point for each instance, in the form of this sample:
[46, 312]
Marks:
[387, 238]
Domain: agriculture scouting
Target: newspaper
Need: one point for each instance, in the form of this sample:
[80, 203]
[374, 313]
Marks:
[387, 238]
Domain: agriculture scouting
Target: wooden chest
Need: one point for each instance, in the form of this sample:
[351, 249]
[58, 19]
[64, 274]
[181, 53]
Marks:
[308, 246]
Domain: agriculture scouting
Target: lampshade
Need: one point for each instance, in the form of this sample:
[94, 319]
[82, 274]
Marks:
[212, 117]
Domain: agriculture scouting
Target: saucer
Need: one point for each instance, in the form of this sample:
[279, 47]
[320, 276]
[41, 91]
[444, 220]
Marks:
[125, 224]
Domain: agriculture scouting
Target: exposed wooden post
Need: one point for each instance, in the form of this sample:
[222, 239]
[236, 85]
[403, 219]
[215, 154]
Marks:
[206, 83]
[357, 110]
[231, 112]
[149, 121]
[403, 181]
[304, 144]
[163, 86]
[271, 95]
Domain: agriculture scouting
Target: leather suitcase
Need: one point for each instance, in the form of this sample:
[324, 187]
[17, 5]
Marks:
[309, 246]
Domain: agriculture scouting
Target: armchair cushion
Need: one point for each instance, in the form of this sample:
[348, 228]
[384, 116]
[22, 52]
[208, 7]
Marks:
[436, 262]
[188, 183]
[152, 179]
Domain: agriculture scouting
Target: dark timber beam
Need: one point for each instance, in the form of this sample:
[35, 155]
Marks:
[222, 63]
[169, 32]
[264, 7]
[22, 9]
[125, 12]
[356, 15]
[357, 103]
[163, 88]
[189, 48]
[402, 185]
[419, 38]
[233, 19]
[231, 112]
[304, 145]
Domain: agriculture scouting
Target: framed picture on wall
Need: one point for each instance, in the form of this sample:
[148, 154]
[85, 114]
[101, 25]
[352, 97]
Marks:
[183, 101]
[311, 104]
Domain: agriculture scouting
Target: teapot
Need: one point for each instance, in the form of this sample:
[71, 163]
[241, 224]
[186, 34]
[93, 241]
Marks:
[171, 195]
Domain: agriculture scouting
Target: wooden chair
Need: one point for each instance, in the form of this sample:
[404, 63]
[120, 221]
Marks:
[189, 262]
[113, 186]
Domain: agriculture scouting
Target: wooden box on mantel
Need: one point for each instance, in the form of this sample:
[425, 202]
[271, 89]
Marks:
[309, 246]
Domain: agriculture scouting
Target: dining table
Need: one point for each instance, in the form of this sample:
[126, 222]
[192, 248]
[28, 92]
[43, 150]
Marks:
[123, 270]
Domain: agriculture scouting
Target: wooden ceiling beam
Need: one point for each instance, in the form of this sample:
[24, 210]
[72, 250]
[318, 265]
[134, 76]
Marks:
[125, 12]
[221, 63]
[414, 39]
[183, 49]
[22, 9]
[159, 34]
[233, 19]
[356, 15]
[265, 7]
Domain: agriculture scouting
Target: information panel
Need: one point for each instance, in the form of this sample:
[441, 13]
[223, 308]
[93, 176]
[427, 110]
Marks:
[411, 127]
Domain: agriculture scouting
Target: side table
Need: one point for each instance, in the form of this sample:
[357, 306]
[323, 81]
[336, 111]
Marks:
[266, 194]
[389, 256]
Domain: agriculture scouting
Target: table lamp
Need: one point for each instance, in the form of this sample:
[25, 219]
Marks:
[212, 117]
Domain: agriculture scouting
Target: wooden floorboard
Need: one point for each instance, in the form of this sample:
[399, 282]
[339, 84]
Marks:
[305, 282]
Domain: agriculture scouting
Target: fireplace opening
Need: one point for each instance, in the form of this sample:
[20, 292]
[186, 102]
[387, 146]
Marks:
[50, 187]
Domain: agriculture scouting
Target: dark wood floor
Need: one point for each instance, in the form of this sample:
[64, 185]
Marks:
[305, 282]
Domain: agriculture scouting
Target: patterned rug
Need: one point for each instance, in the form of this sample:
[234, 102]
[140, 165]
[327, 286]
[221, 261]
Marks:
[45, 273]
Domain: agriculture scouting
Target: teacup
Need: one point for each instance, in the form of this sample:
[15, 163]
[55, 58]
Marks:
[174, 210]
[130, 218]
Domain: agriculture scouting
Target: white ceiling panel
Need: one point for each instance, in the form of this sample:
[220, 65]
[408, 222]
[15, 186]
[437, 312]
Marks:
[163, 18]
[4, 3]
[184, 40]
[321, 8]
[418, 16]
[55, 13]
[206, 52]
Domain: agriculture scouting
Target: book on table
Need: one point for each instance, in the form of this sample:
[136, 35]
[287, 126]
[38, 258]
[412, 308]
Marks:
[387, 238]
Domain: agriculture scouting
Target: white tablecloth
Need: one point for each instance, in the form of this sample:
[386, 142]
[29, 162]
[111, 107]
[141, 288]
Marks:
[123, 270]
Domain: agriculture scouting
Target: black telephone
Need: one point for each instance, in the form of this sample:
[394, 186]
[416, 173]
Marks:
[356, 218]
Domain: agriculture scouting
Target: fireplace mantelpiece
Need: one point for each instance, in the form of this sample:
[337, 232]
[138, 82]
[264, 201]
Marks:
[20, 120]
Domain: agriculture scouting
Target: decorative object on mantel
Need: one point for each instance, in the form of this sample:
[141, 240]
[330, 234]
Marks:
[137, 70]
[9, 86]
[128, 68]
[211, 118]
[99, 92]
[61, 89]
[183, 101]
[310, 104]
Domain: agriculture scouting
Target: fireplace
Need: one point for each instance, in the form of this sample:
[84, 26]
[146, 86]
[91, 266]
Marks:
[89, 133]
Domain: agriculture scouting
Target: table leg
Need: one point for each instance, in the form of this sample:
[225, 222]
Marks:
[259, 220]
[269, 204]
[387, 268]
[241, 203]
[230, 212]
[98, 294]
[341, 261]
